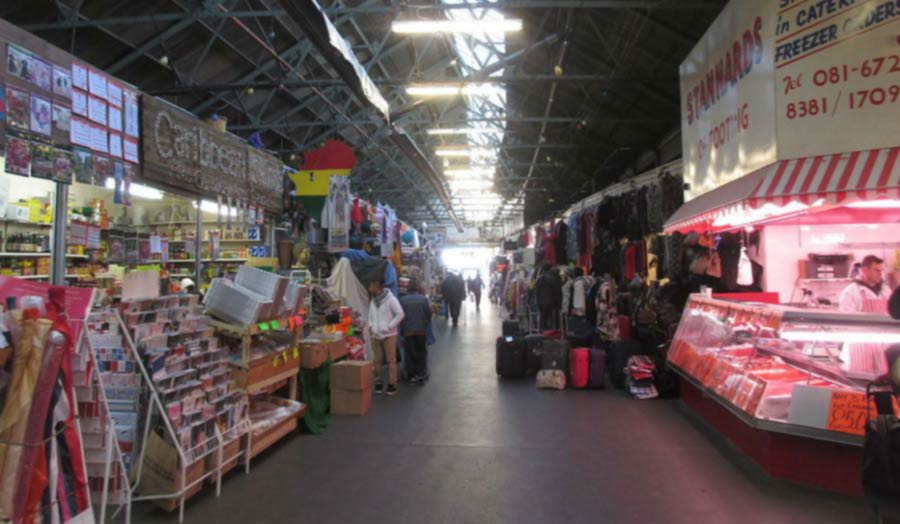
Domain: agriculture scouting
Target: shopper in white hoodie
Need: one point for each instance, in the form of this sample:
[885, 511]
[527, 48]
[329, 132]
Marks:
[385, 314]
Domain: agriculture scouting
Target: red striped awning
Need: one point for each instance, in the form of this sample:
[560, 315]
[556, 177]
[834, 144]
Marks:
[861, 175]
[786, 185]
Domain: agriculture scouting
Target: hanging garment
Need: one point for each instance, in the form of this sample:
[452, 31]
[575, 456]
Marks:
[572, 239]
[336, 213]
[550, 249]
[344, 283]
[560, 242]
[356, 215]
[629, 262]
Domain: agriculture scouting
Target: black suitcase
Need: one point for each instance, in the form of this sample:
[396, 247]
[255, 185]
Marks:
[511, 357]
[618, 358]
[534, 345]
[511, 328]
[555, 355]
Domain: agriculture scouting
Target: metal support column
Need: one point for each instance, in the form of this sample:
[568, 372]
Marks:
[270, 235]
[58, 236]
[198, 245]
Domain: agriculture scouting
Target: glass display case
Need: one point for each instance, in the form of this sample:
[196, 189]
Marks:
[795, 371]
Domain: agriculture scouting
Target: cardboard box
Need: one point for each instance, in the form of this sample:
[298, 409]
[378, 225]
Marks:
[337, 349]
[345, 402]
[352, 375]
[161, 474]
[313, 354]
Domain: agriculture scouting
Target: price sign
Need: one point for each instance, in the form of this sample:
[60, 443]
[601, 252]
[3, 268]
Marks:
[847, 412]
[253, 233]
[259, 251]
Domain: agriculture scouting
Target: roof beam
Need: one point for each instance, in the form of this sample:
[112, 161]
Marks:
[535, 4]
[451, 123]
[145, 19]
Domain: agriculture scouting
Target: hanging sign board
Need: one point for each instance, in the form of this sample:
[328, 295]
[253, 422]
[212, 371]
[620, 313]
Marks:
[180, 150]
[782, 79]
[727, 96]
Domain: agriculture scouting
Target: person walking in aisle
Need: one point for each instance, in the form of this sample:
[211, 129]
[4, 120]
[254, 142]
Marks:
[385, 315]
[416, 318]
[454, 290]
[476, 285]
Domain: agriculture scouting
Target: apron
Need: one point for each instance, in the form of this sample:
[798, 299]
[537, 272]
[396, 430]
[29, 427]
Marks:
[868, 357]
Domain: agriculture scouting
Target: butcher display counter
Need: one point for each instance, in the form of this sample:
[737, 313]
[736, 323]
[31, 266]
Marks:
[779, 369]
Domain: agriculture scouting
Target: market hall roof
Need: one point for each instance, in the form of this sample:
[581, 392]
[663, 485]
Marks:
[569, 130]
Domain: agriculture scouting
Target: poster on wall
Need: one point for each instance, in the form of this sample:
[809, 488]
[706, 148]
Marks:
[837, 76]
[727, 95]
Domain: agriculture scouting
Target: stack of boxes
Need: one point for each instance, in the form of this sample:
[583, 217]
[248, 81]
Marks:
[351, 387]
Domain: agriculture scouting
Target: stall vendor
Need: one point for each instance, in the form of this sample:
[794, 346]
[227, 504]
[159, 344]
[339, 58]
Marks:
[868, 293]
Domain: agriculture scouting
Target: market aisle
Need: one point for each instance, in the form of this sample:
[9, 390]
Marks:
[468, 448]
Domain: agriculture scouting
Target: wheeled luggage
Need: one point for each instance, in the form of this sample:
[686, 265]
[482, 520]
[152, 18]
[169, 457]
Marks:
[511, 357]
[534, 348]
[579, 367]
[555, 355]
[511, 328]
[597, 365]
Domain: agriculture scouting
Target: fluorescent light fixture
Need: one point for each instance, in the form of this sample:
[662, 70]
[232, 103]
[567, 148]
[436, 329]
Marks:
[137, 190]
[851, 337]
[464, 152]
[418, 27]
[875, 204]
[471, 184]
[472, 171]
[454, 90]
[208, 206]
[464, 131]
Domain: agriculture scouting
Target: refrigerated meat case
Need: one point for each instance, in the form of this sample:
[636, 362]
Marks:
[783, 369]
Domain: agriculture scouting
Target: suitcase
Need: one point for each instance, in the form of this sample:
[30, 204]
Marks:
[511, 328]
[554, 334]
[617, 357]
[625, 327]
[579, 367]
[555, 355]
[511, 357]
[534, 348]
[551, 379]
[597, 369]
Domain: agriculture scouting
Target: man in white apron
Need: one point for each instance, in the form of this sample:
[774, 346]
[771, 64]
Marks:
[867, 294]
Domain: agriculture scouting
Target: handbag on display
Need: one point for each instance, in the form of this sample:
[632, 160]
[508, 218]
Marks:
[714, 269]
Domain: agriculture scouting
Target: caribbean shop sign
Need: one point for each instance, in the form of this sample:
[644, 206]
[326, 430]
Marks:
[781, 79]
[184, 152]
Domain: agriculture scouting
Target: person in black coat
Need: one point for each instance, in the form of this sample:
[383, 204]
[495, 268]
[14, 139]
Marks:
[548, 291]
[453, 288]
[894, 304]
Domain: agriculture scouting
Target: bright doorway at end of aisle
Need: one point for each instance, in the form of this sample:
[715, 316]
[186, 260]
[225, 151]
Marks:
[469, 262]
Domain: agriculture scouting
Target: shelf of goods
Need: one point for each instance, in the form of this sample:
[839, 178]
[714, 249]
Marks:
[798, 373]
[203, 418]
[258, 319]
[108, 386]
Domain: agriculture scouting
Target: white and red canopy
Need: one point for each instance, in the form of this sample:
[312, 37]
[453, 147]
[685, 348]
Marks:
[792, 187]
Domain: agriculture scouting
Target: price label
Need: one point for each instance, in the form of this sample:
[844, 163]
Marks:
[847, 412]
[263, 326]
[296, 353]
[259, 251]
[274, 324]
[253, 233]
[275, 362]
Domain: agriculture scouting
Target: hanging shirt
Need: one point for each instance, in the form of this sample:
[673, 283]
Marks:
[336, 213]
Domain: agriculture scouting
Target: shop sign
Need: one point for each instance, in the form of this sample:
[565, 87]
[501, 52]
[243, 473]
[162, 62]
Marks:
[183, 152]
[781, 79]
[727, 95]
[837, 76]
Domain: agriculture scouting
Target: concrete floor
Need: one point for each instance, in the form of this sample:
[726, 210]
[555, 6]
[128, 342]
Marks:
[469, 448]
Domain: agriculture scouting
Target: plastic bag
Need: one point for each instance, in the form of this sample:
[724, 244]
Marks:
[745, 269]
